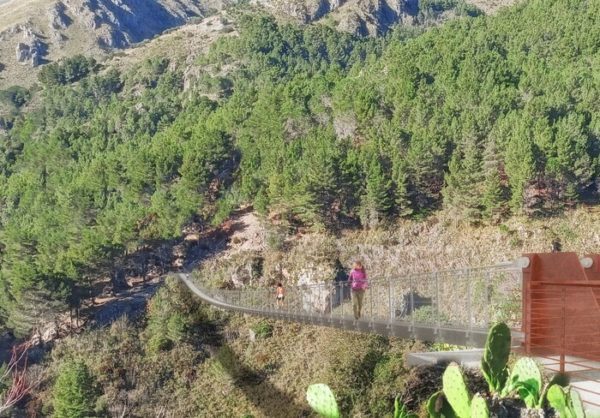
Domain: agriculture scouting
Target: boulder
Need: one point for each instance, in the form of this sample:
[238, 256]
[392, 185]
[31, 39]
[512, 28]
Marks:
[315, 294]
[58, 17]
[192, 238]
[28, 54]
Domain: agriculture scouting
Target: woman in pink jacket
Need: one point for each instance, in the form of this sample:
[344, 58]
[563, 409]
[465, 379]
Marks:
[358, 284]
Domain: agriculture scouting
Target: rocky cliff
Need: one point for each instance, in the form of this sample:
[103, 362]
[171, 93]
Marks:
[361, 17]
[33, 32]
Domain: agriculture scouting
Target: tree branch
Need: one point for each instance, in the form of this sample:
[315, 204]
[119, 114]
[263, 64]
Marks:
[17, 372]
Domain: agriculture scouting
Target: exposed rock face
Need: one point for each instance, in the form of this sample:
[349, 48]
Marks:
[30, 50]
[123, 22]
[360, 17]
[316, 293]
[58, 17]
[65, 27]
[100, 23]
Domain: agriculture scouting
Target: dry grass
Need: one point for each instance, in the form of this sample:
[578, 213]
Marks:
[182, 45]
[437, 243]
[79, 40]
[492, 6]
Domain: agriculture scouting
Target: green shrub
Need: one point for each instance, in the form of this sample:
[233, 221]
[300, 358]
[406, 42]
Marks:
[263, 329]
[176, 327]
[16, 96]
[67, 71]
[171, 313]
[74, 392]
[276, 237]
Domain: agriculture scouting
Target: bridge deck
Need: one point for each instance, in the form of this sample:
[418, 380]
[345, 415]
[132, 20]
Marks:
[450, 307]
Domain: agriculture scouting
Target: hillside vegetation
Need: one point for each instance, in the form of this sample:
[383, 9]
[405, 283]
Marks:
[484, 117]
[187, 359]
[37, 32]
[480, 121]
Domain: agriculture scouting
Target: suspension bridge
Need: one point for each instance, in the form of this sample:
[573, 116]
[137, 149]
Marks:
[550, 301]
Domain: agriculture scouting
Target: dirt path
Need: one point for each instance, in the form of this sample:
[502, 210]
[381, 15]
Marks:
[243, 232]
[130, 303]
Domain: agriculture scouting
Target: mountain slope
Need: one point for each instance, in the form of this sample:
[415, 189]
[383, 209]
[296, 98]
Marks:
[481, 117]
[37, 31]
[33, 32]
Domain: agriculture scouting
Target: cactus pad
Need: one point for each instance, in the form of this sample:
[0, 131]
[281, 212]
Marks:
[479, 408]
[576, 405]
[438, 407]
[321, 399]
[495, 357]
[526, 378]
[557, 399]
[456, 391]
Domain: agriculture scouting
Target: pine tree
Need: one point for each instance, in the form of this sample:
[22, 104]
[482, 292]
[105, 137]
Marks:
[463, 193]
[74, 393]
[573, 161]
[454, 187]
[520, 164]
[402, 199]
[318, 186]
[426, 165]
[378, 198]
[493, 191]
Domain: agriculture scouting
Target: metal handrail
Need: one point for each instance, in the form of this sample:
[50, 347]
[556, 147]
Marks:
[422, 306]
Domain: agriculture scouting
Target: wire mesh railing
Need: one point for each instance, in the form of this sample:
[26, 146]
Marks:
[550, 301]
[467, 300]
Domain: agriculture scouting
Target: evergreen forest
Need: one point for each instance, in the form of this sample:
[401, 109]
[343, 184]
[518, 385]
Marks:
[484, 117]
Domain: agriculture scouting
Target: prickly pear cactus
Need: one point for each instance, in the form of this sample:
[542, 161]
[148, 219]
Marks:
[479, 408]
[456, 391]
[438, 407]
[557, 398]
[495, 357]
[575, 404]
[434, 406]
[400, 410]
[526, 378]
[321, 399]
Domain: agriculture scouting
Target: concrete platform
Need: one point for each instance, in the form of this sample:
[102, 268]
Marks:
[466, 358]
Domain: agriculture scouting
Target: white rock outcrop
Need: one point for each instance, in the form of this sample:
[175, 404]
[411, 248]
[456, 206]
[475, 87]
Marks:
[315, 293]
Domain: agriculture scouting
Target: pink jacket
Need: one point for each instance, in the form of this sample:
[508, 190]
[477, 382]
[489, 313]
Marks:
[358, 280]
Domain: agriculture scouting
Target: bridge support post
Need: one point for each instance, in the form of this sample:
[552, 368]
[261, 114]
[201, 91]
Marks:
[437, 303]
[469, 309]
[412, 305]
[563, 298]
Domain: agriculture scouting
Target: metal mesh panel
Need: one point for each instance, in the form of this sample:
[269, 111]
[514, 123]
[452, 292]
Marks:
[466, 301]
